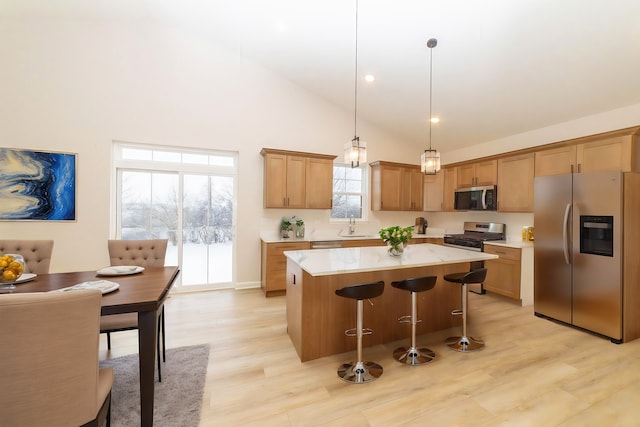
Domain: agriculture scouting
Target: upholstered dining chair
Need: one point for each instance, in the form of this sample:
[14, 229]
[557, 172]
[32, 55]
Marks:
[143, 253]
[36, 253]
[49, 373]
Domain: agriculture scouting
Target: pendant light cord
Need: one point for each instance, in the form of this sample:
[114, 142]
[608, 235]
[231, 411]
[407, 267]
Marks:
[430, 93]
[355, 109]
[431, 43]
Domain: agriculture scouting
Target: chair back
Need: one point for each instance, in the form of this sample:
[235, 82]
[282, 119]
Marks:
[36, 253]
[49, 358]
[475, 276]
[143, 253]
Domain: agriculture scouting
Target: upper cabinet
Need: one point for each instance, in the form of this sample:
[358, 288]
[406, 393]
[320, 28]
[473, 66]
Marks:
[297, 180]
[433, 195]
[555, 161]
[396, 187]
[484, 172]
[450, 184]
[618, 153]
[515, 183]
[606, 152]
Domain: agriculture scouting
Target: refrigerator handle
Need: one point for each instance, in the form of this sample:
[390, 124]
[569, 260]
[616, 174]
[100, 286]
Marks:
[565, 237]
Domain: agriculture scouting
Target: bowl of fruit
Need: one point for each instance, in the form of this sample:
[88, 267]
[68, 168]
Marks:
[11, 268]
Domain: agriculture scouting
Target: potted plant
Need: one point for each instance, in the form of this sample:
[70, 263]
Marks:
[299, 228]
[396, 238]
[286, 227]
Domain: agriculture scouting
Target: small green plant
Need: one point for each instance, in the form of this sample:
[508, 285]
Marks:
[286, 225]
[396, 238]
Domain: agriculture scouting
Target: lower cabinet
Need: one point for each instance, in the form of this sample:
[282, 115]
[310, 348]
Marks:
[274, 265]
[362, 242]
[503, 274]
[434, 240]
[510, 275]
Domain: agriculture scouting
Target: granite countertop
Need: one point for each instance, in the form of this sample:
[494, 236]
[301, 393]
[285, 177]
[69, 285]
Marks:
[326, 236]
[511, 243]
[324, 262]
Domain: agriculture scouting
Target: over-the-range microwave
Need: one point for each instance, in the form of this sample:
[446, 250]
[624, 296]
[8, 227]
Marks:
[484, 198]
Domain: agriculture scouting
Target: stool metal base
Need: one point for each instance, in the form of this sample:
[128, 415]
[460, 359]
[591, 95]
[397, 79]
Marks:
[359, 372]
[414, 356]
[464, 344]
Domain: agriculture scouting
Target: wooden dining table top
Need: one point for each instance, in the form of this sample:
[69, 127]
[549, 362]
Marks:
[144, 291]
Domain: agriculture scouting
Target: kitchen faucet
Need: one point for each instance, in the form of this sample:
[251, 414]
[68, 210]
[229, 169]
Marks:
[352, 225]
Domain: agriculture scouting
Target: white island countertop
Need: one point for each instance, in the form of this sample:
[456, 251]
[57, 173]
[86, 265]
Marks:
[324, 262]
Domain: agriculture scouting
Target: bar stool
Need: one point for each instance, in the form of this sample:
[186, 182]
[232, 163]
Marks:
[465, 343]
[359, 371]
[413, 355]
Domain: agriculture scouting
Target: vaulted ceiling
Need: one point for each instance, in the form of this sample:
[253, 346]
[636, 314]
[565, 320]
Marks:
[501, 67]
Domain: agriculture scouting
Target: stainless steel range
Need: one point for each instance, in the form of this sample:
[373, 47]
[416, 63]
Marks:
[473, 238]
[475, 234]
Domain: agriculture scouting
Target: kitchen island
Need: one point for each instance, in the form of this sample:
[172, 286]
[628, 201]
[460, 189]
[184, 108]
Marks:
[317, 318]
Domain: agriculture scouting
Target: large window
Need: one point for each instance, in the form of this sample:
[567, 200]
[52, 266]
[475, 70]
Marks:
[349, 192]
[185, 196]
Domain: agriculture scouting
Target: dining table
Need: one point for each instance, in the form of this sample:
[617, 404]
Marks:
[144, 293]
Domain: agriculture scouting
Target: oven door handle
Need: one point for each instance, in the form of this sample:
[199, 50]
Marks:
[565, 234]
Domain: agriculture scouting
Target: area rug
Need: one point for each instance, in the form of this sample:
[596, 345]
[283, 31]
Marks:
[178, 398]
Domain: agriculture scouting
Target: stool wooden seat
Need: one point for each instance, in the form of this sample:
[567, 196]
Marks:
[413, 355]
[360, 371]
[465, 343]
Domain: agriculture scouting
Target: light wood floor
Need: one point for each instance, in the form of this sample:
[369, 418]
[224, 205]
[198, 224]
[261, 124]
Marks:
[533, 372]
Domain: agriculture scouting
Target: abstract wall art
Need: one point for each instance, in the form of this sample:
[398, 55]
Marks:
[37, 185]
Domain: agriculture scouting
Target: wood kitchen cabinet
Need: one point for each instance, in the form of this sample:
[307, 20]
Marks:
[515, 183]
[555, 161]
[273, 269]
[617, 153]
[358, 243]
[450, 184]
[433, 240]
[503, 274]
[297, 180]
[609, 152]
[483, 172]
[319, 183]
[433, 196]
[396, 187]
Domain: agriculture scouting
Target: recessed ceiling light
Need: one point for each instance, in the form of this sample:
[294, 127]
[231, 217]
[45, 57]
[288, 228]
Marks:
[435, 120]
[369, 77]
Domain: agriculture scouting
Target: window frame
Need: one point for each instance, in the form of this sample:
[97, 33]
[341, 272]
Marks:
[364, 193]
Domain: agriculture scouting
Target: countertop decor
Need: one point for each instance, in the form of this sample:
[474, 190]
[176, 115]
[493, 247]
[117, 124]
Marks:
[396, 238]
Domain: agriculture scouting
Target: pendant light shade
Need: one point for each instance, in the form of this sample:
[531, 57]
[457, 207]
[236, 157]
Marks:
[430, 159]
[355, 151]
[430, 162]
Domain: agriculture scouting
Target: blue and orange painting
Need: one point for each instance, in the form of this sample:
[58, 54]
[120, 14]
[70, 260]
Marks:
[37, 185]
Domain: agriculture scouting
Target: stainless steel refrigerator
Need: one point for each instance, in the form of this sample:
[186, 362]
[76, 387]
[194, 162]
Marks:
[578, 250]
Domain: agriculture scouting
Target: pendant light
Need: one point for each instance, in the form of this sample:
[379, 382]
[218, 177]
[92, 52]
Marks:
[430, 159]
[355, 151]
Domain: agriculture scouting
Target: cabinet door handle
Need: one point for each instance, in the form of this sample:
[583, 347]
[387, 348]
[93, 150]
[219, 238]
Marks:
[294, 278]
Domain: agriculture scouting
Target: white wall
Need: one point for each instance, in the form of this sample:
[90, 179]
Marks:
[77, 85]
